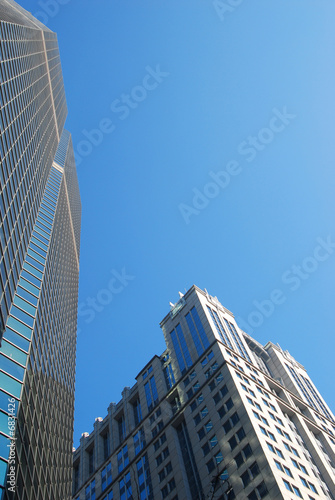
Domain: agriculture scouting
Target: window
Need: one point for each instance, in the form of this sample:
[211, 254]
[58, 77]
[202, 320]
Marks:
[90, 454]
[201, 433]
[312, 487]
[287, 471]
[193, 405]
[210, 466]
[179, 343]
[197, 331]
[161, 475]
[224, 391]
[106, 445]
[220, 328]
[122, 459]
[90, 491]
[297, 491]
[122, 428]
[222, 412]
[165, 491]
[245, 478]
[205, 449]
[237, 339]
[239, 459]
[287, 485]
[106, 476]
[243, 455]
[169, 376]
[197, 419]
[233, 420]
[139, 441]
[213, 441]
[259, 492]
[171, 485]
[189, 393]
[137, 412]
[240, 434]
[151, 393]
[144, 478]
[125, 487]
[76, 477]
[209, 426]
[204, 412]
[107, 497]
[304, 482]
[227, 426]
[286, 435]
[247, 451]
[218, 458]
[271, 448]
[279, 466]
[229, 404]
[212, 385]
[217, 398]
[252, 472]
[165, 472]
[232, 443]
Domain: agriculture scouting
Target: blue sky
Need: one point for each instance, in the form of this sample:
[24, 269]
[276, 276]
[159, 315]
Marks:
[204, 141]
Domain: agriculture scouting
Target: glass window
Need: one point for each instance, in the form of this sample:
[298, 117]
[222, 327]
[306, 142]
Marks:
[287, 485]
[278, 465]
[287, 471]
[213, 441]
[297, 491]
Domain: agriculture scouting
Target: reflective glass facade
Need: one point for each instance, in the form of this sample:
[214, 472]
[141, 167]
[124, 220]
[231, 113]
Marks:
[39, 262]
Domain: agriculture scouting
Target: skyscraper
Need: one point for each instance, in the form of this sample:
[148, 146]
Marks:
[216, 416]
[39, 263]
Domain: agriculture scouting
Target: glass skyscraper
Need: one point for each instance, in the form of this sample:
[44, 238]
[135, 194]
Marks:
[39, 263]
[216, 416]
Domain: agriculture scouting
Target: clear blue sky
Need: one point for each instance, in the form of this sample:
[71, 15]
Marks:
[181, 91]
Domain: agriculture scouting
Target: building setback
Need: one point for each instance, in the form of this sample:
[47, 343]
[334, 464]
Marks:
[39, 263]
[216, 416]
